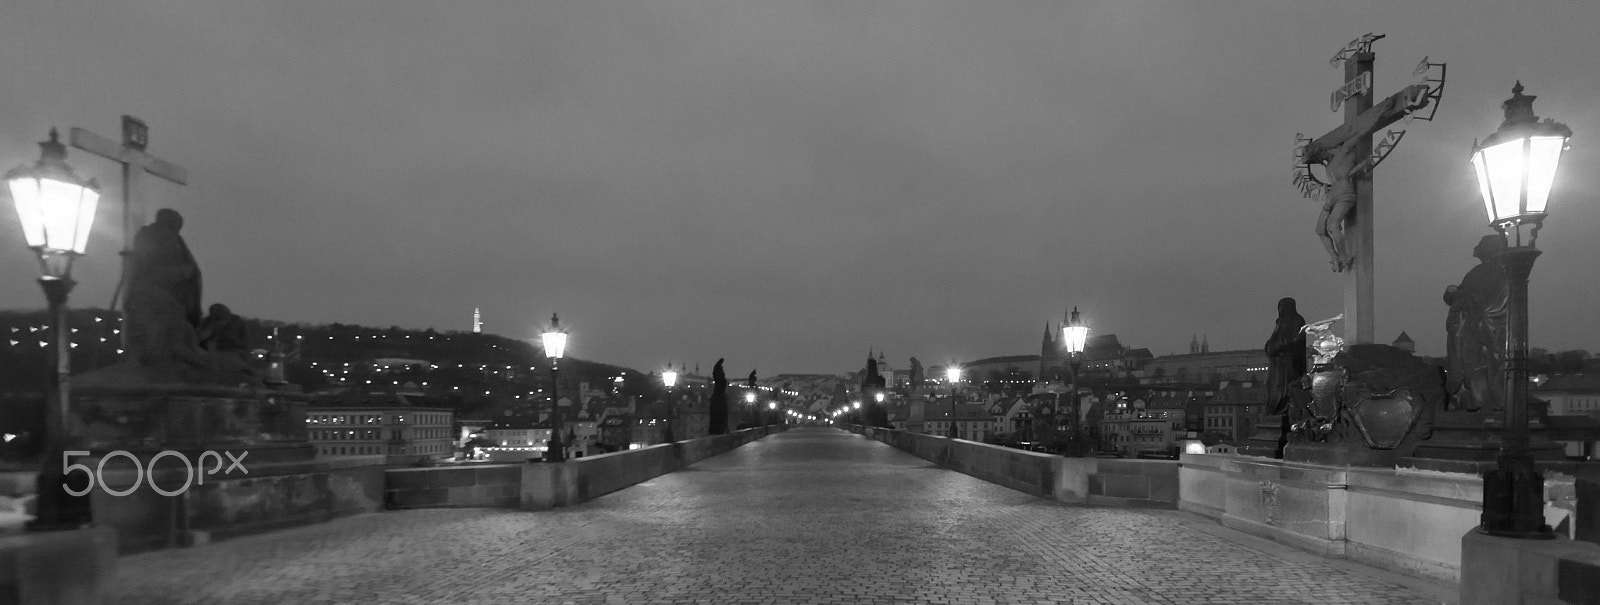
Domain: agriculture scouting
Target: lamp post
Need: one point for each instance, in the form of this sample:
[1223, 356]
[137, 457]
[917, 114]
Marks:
[750, 411]
[555, 345]
[669, 377]
[1073, 337]
[1516, 167]
[952, 375]
[56, 209]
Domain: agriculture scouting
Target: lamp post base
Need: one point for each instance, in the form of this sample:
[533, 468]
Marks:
[56, 509]
[1513, 500]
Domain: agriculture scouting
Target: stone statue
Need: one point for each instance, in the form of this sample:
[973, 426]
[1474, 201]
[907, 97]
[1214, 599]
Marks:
[223, 332]
[1344, 165]
[1286, 352]
[916, 375]
[719, 380]
[1475, 330]
[163, 300]
[719, 400]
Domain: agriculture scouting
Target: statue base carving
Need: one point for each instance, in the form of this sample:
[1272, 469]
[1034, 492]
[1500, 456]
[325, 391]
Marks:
[1470, 442]
[1370, 404]
[144, 412]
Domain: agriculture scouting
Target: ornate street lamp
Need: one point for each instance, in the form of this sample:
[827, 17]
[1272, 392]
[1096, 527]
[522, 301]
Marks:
[1516, 167]
[1073, 336]
[56, 209]
[952, 375]
[670, 379]
[555, 345]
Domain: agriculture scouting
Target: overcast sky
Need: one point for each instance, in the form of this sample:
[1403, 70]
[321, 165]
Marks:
[786, 184]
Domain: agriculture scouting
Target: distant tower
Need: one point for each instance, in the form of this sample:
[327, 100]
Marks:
[1194, 344]
[1047, 352]
[477, 321]
[1404, 343]
[1205, 344]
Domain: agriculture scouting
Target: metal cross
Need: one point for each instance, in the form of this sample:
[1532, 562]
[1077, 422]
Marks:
[1345, 223]
[135, 162]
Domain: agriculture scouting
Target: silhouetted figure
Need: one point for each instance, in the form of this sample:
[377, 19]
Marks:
[1475, 330]
[224, 332]
[1286, 353]
[163, 301]
[916, 375]
[719, 400]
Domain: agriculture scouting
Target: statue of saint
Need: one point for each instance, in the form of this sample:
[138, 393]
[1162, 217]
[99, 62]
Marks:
[163, 300]
[1286, 352]
[719, 380]
[916, 375]
[1475, 330]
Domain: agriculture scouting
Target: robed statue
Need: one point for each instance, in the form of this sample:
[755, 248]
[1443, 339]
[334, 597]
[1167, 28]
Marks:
[163, 300]
[1475, 330]
[1286, 354]
[719, 400]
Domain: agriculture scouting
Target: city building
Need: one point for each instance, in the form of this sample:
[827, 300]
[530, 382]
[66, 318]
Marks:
[398, 432]
[1231, 413]
[972, 421]
[1205, 366]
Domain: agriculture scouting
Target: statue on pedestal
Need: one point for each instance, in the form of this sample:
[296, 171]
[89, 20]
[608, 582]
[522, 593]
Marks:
[1475, 331]
[163, 301]
[1286, 352]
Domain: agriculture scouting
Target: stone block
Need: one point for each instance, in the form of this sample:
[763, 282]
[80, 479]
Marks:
[65, 567]
[1125, 486]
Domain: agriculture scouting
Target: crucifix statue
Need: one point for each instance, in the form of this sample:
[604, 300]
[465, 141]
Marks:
[135, 162]
[1348, 155]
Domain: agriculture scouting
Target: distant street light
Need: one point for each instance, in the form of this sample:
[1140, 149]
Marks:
[670, 379]
[56, 209]
[1074, 335]
[1516, 167]
[555, 345]
[952, 375]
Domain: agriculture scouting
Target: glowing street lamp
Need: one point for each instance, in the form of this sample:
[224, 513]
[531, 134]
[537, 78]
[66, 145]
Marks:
[56, 209]
[555, 345]
[952, 375]
[1516, 169]
[1074, 335]
[669, 377]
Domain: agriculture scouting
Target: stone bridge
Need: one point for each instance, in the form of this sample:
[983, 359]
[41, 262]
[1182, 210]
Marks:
[812, 515]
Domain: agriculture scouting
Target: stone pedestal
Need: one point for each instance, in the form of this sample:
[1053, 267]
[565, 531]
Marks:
[1267, 441]
[1506, 570]
[146, 419]
[1339, 455]
[75, 567]
[1473, 437]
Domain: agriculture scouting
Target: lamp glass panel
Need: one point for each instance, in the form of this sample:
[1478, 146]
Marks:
[953, 375]
[25, 196]
[1505, 165]
[1075, 336]
[555, 344]
[669, 378]
[55, 215]
[1544, 153]
[1484, 190]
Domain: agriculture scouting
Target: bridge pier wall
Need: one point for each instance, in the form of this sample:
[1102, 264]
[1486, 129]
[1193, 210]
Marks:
[540, 486]
[1139, 483]
[1402, 519]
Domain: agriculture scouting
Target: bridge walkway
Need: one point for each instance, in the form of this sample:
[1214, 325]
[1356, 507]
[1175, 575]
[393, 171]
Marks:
[813, 515]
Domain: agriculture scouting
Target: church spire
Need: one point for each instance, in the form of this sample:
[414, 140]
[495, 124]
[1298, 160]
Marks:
[1194, 343]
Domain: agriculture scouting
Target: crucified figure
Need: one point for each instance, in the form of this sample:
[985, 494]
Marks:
[1344, 165]
[1346, 154]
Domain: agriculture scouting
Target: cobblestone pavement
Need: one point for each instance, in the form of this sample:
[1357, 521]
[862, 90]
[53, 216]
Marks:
[814, 515]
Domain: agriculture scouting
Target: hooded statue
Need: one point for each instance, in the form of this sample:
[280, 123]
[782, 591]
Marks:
[1475, 329]
[1286, 352]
